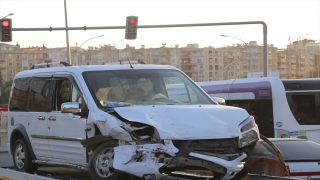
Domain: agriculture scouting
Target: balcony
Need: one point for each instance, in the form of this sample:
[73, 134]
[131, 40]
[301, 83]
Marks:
[184, 55]
[229, 57]
[46, 60]
[188, 70]
[138, 57]
[165, 63]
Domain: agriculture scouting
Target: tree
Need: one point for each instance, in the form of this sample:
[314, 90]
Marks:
[1, 78]
[5, 92]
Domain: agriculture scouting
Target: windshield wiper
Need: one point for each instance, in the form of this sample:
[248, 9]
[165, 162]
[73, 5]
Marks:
[108, 109]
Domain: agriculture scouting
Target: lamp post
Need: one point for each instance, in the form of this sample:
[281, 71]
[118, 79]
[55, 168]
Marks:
[248, 48]
[77, 63]
[7, 15]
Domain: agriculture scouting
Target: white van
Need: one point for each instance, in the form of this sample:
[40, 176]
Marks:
[118, 120]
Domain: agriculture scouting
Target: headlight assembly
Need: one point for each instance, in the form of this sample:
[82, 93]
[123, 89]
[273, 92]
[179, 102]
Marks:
[249, 132]
[247, 138]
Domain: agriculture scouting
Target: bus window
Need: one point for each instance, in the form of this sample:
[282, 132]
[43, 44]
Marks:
[303, 107]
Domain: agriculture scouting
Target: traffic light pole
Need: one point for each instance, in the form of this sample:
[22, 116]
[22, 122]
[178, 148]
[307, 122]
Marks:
[265, 48]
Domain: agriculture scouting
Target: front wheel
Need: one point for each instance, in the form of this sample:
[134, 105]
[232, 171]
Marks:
[101, 163]
[22, 158]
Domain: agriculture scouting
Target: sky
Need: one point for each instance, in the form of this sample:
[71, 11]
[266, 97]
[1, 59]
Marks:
[297, 19]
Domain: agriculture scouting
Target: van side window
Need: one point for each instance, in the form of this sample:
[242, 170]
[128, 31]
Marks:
[38, 96]
[19, 94]
[65, 92]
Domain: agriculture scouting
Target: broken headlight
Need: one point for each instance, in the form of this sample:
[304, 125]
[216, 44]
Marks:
[249, 132]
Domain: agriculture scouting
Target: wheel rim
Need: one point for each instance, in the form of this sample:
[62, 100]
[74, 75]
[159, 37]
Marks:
[19, 156]
[104, 163]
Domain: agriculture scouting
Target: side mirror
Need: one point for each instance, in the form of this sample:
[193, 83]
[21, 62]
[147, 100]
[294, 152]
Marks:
[219, 100]
[70, 107]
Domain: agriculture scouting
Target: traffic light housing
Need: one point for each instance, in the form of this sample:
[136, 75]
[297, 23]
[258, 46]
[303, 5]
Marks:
[6, 30]
[131, 27]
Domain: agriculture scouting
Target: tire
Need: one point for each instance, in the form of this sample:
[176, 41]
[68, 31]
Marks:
[101, 163]
[22, 158]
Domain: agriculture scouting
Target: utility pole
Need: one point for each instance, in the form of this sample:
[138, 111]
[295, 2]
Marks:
[67, 34]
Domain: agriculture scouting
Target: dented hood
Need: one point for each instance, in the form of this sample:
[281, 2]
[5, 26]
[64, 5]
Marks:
[185, 122]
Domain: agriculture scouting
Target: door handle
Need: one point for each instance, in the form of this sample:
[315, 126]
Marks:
[41, 118]
[52, 118]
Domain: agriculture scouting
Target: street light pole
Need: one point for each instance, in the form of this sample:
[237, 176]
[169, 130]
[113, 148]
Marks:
[7, 15]
[67, 34]
[77, 62]
[249, 51]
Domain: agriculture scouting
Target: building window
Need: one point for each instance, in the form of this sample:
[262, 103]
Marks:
[10, 63]
[210, 60]
[18, 64]
[10, 71]
[216, 60]
[216, 67]
[30, 64]
[45, 55]
[10, 56]
[24, 56]
[18, 56]
[30, 56]
[210, 67]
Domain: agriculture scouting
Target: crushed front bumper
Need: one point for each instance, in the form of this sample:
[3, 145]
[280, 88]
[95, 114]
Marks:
[160, 160]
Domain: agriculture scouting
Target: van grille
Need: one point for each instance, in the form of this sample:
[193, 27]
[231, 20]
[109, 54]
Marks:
[218, 146]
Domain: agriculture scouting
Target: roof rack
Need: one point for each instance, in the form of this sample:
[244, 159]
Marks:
[48, 64]
[124, 62]
[133, 62]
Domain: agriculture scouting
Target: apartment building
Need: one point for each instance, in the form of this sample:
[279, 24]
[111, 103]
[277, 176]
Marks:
[298, 60]
[14, 59]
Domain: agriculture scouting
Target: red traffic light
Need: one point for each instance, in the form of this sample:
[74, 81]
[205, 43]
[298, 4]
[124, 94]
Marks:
[5, 23]
[131, 27]
[132, 21]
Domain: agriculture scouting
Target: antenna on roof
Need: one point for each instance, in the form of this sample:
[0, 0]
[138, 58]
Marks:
[126, 55]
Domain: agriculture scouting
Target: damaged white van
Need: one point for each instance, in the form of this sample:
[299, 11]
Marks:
[119, 120]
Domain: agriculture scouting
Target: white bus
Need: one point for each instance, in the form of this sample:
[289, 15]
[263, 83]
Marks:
[282, 108]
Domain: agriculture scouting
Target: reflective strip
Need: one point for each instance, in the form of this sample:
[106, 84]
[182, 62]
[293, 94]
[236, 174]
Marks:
[5, 178]
[304, 173]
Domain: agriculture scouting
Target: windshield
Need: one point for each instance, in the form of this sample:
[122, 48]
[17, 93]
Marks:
[117, 88]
